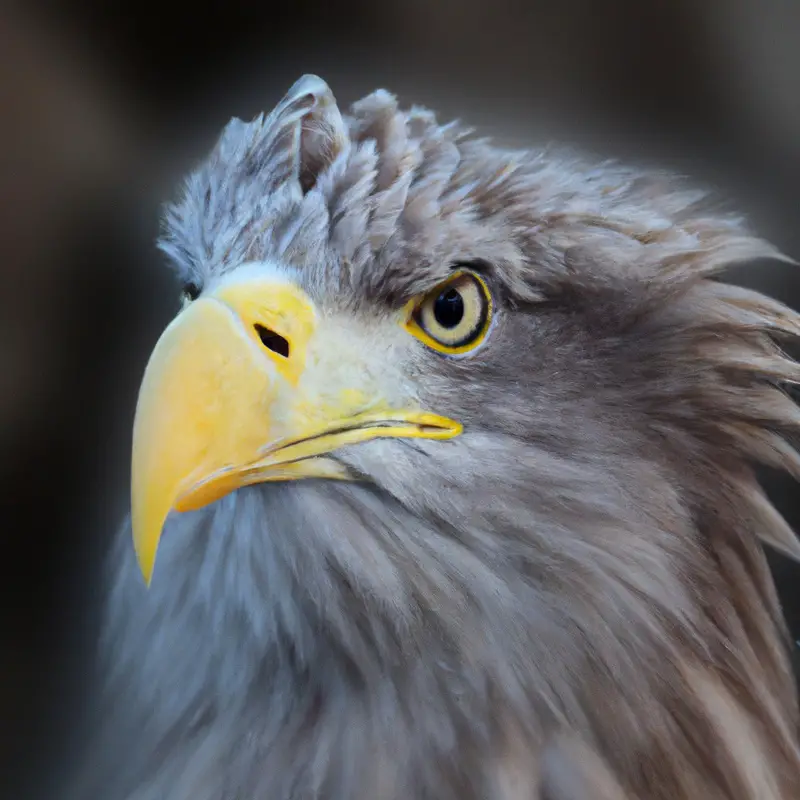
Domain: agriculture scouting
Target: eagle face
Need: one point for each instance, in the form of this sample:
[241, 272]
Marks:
[457, 439]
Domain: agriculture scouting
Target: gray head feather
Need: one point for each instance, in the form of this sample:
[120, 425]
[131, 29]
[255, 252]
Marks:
[582, 566]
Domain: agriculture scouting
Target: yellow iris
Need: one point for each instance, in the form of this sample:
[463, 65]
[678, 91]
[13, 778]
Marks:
[455, 317]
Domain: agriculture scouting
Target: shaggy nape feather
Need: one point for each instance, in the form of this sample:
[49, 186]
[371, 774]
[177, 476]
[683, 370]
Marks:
[568, 601]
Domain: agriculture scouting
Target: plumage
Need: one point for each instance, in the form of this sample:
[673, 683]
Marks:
[568, 600]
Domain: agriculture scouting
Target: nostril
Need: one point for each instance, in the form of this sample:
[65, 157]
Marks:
[273, 341]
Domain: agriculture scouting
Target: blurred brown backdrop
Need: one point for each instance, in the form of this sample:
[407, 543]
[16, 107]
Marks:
[103, 106]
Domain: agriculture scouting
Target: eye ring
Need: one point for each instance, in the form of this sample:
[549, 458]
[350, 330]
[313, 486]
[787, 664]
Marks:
[455, 317]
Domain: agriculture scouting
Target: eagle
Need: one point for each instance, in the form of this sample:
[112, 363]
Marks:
[450, 460]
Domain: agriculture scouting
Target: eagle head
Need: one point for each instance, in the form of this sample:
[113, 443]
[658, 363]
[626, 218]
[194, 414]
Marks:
[455, 444]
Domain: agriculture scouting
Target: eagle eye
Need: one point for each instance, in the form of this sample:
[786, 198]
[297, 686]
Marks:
[453, 318]
[190, 292]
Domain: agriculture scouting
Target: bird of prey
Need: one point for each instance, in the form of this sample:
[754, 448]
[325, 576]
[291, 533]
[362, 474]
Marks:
[449, 459]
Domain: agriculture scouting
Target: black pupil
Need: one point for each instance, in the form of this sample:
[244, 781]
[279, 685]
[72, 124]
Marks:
[191, 290]
[449, 308]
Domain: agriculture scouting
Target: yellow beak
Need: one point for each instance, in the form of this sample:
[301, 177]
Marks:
[245, 386]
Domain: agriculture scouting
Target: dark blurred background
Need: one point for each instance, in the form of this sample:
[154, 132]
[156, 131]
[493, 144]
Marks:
[103, 106]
